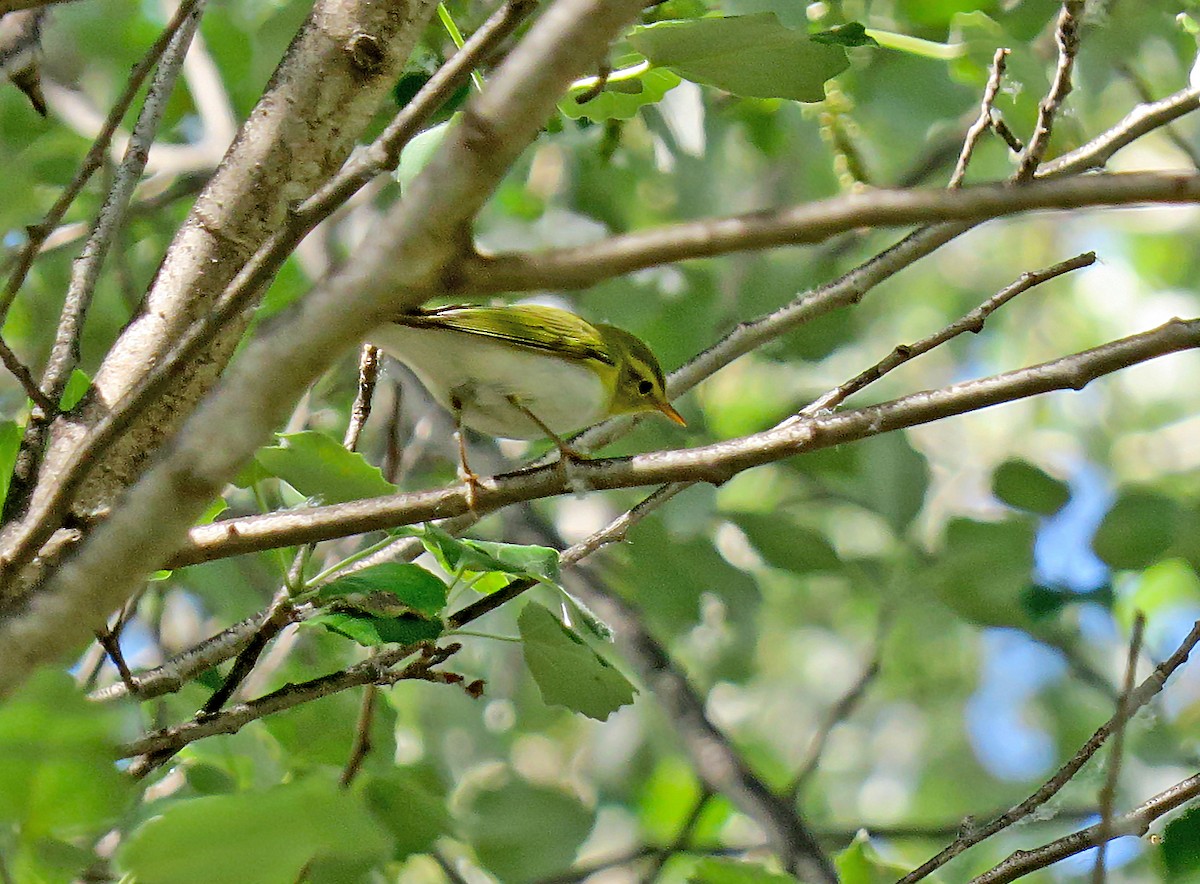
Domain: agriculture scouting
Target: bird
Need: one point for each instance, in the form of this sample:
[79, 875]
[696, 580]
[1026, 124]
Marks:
[525, 371]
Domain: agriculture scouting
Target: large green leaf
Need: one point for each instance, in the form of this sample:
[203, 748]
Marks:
[57, 770]
[410, 587]
[254, 837]
[1022, 485]
[317, 466]
[567, 671]
[749, 55]
[1138, 529]
[411, 804]
[983, 571]
[523, 832]
[1179, 852]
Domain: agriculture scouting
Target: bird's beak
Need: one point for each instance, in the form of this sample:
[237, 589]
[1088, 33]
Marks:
[666, 408]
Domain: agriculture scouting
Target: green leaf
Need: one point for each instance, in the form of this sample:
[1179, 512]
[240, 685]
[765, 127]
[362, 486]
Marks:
[370, 631]
[522, 832]
[411, 804]
[417, 153]
[418, 590]
[786, 545]
[317, 466]
[860, 863]
[567, 671]
[850, 34]
[1179, 852]
[10, 444]
[1162, 589]
[732, 871]
[752, 55]
[57, 774]
[894, 477]
[480, 556]
[1023, 486]
[1137, 530]
[620, 99]
[77, 385]
[983, 571]
[253, 837]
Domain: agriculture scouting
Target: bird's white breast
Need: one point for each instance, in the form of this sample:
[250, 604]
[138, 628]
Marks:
[482, 373]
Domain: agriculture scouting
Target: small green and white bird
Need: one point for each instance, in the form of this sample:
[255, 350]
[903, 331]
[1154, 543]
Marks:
[526, 371]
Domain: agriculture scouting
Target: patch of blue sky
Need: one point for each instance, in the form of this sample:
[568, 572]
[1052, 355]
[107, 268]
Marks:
[1015, 668]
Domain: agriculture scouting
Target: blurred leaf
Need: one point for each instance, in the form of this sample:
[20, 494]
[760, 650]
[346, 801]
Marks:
[567, 671]
[420, 592]
[264, 837]
[418, 152]
[1179, 852]
[788, 546]
[860, 863]
[57, 750]
[893, 477]
[522, 832]
[317, 466]
[1023, 486]
[620, 100]
[77, 385]
[10, 444]
[411, 804]
[208, 779]
[751, 55]
[732, 871]
[850, 34]
[983, 570]
[1138, 529]
[1162, 589]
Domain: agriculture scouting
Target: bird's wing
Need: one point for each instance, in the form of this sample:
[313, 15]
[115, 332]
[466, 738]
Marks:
[526, 325]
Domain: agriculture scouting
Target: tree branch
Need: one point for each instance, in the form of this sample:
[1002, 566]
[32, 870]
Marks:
[714, 463]
[582, 266]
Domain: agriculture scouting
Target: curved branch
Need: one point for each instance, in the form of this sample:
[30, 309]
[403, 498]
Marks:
[714, 463]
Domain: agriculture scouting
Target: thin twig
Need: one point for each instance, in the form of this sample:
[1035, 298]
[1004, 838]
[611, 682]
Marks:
[1066, 36]
[971, 322]
[1136, 822]
[19, 371]
[38, 233]
[112, 646]
[1144, 95]
[839, 712]
[1145, 692]
[1108, 793]
[984, 121]
[362, 736]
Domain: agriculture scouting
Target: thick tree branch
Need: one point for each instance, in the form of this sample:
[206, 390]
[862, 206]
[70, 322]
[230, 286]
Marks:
[416, 245]
[715, 463]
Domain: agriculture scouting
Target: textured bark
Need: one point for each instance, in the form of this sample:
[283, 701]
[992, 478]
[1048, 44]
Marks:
[328, 86]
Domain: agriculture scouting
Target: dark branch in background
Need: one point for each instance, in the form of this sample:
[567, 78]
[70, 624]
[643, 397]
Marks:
[1066, 36]
[984, 121]
[1138, 698]
[362, 736]
[1145, 97]
[1136, 822]
[1108, 794]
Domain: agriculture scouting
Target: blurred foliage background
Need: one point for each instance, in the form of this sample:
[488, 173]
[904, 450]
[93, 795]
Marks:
[988, 564]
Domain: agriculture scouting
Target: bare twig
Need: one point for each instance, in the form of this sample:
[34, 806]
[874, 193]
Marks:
[984, 121]
[376, 670]
[1136, 822]
[19, 371]
[1144, 95]
[362, 736]
[1108, 793]
[1066, 35]
[1138, 698]
[971, 322]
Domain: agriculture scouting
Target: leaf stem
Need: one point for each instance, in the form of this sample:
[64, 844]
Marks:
[917, 46]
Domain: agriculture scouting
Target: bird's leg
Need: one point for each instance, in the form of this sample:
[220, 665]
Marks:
[469, 477]
[564, 449]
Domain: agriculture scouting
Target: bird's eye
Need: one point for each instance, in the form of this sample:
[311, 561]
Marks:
[645, 388]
